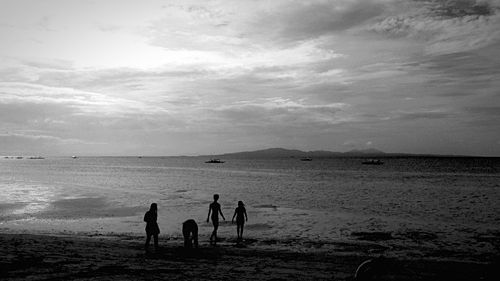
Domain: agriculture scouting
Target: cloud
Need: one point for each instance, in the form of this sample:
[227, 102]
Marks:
[77, 101]
[445, 26]
[490, 111]
[294, 21]
[357, 144]
[38, 144]
[280, 112]
[422, 115]
[29, 112]
[404, 116]
[42, 138]
[471, 66]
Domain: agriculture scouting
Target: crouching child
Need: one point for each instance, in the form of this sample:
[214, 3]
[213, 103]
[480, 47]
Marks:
[190, 233]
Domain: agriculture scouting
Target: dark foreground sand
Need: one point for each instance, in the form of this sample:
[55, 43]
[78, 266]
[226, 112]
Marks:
[37, 257]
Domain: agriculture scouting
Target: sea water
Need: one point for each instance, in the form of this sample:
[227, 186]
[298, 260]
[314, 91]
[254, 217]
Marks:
[436, 202]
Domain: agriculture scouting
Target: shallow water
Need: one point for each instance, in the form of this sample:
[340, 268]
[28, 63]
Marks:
[439, 203]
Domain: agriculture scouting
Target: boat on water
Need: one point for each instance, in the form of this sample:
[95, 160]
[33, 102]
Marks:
[306, 159]
[372, 162]
[74, 157]
[214, 160]
[36, 157]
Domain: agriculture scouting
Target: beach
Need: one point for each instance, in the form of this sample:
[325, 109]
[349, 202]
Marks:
[44, 257]
[416, 218]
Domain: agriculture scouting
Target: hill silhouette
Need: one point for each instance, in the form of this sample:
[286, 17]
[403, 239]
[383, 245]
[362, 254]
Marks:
[294, 153]
[277, 153]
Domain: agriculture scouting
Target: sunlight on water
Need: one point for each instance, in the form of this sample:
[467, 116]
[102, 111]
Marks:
[30, 198]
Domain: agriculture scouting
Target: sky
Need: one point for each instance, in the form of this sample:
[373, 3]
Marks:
[122, 77]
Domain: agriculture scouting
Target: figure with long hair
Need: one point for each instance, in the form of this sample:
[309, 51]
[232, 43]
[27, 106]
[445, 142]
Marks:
[152, 228]
[241, 216]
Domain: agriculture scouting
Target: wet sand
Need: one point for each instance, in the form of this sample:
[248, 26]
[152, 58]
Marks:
[43, 257]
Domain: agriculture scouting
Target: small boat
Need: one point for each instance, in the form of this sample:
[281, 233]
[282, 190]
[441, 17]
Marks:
[36, 157]
[74, 157]
[372, 162]
[306, 159]
[214, 160]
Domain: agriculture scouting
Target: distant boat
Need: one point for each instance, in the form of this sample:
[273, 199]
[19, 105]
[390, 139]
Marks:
[74, 157]
[306, 159]
[372, 162]
[36, 157]
[215, 160]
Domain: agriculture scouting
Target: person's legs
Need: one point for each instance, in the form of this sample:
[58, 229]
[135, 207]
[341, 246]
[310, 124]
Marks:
[195, 236]
[148, 238]
[185, 233]
[216, 227]
[155, 237]
[213, 237]
[241, 231]
[238, 230]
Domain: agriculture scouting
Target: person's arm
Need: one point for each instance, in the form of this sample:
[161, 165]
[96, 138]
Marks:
[209, 210]
[246, 217]
[220, 211]
[232, 220]
[146, 217]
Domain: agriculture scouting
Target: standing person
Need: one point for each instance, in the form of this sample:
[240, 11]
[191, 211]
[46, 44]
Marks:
[152, 228]
[241, 216]
[215, 209]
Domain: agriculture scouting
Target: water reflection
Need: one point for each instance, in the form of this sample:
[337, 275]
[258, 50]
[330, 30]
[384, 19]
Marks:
[27, 199]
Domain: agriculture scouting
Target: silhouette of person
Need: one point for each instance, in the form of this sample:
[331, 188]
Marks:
[215, 209]
[190, 233]
[241, 216]
[152, 228]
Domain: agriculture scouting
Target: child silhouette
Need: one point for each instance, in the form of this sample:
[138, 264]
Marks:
[152, 228]
[241, 216]
[215, 209]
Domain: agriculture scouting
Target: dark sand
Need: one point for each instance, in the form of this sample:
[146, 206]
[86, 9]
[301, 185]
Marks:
[38, 257]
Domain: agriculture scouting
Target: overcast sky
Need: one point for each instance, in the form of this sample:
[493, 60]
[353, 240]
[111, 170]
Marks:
[197, 77]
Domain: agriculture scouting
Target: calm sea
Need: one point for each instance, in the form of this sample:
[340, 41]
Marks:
[442, 203]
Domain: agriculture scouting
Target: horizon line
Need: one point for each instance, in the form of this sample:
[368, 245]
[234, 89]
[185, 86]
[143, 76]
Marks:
[360, 151]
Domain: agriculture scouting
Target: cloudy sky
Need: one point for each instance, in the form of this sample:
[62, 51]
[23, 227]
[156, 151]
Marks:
[122, 77]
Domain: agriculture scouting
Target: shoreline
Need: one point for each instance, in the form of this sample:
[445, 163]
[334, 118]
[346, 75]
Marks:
[410, 245]
[70, 257]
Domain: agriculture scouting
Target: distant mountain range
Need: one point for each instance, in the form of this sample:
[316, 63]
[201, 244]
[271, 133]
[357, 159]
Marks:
[291, 153]
[294, 153]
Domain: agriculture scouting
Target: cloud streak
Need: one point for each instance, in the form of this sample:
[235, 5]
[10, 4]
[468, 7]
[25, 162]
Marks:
[79, 102]
[446, 26]
[278, 111]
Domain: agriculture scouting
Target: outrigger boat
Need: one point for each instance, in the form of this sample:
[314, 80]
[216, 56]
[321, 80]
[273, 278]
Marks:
[372, 162]
[215, 160]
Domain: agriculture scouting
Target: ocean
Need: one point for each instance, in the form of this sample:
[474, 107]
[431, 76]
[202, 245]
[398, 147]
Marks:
[411, 206]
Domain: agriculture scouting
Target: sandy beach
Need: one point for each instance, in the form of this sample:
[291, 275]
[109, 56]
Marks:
[44, 257]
